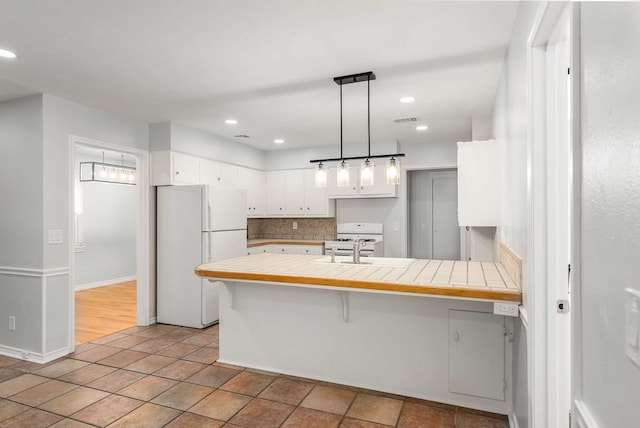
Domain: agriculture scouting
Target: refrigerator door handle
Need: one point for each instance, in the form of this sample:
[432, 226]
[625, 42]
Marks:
[209, 249]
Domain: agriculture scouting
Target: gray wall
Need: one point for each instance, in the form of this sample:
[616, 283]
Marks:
[610, 42]
[109, 222]
[21, 221]
[511, 130]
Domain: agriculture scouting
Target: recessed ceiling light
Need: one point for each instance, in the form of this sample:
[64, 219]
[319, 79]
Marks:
[407, 99]
[422, 127]
[278, 141]
[6, 54]
[230, 121]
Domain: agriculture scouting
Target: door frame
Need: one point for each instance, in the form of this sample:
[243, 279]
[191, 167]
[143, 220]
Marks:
[403, 193]
[142, 229]
[548, 335]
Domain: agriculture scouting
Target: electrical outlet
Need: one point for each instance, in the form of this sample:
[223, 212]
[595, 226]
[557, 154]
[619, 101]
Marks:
[295, 225]
[12, 323]
[507, 309]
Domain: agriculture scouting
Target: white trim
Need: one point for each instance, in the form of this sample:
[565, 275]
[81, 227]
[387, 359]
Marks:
[34, 273]
[524, 316]
[513, 420]
[583, 416]
[142, 227]
[35, 357]
[153, 320]
[105, 283]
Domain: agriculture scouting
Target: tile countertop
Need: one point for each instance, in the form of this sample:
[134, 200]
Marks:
[259, 242]
[456, 279]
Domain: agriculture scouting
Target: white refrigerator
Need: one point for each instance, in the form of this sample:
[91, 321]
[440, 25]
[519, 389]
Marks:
[195, 225]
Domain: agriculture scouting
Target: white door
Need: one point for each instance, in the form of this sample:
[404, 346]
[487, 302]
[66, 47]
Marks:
[226, 208]
[445, 231]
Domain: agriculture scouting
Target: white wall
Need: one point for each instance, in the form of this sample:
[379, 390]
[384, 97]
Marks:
[109, 222]
[511, 129]
[610, 42]
[165, 136]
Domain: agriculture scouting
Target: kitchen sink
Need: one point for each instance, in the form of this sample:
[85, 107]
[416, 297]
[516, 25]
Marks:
[369, 261]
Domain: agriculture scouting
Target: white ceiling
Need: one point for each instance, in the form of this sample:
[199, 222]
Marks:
[268, 64]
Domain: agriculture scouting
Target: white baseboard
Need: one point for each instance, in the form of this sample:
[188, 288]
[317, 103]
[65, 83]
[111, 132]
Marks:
[104, 283]
[33, 357]
[513, 420]
[153, 320]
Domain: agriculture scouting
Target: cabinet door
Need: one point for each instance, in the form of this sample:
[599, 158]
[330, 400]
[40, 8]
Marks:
[478, 183]
[380, 186]
[316, 201]
[476, 354]
[209, 172]
[186, 169]
[293, 188]
[228, 175]
[332, 184]
[275, 193]
[244, 182]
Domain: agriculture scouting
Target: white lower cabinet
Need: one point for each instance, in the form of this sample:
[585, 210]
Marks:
[258, 249]
[476, 354]
[287, 249]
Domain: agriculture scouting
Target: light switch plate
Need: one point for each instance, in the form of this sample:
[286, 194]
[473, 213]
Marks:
[55, 236]
[632, 327]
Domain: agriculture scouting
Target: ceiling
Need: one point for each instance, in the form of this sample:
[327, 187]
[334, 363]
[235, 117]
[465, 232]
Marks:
[268, 64]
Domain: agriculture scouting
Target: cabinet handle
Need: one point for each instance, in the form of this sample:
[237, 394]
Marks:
[306, 251]
[361, 187]
[300, 208]
[308, 208]
[354, 188]
[177, 172]
[281, 210]
[283, 250]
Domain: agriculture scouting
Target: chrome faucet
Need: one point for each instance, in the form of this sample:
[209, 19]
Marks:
[357, 246]
[332, 252]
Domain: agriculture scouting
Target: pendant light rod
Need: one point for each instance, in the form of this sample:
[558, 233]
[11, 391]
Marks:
[394, 155]
[340, 121]
[368, 114]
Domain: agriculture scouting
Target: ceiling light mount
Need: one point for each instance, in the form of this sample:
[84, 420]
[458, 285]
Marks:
[366, 168]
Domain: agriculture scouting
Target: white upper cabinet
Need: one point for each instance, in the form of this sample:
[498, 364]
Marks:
[170, 168]
[316, 201]
[254, 182]
[479, 183]
[380, 188]
[292, 193]
[218, 173]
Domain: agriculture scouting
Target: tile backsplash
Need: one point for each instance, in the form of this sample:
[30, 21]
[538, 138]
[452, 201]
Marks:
[282, 228]
[512, 264]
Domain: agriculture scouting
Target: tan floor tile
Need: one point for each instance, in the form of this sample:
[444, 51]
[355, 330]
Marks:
[152, 346]
[7, 373]
[200, 340]
[156, 330]
[204, 355]
[7, 361]
[70, 423]
[220, 405]
[95, 354]
[147, 388]
[147, 416]
[304, 418]
[261, 413]
[466, 420]
[30, 366]
[116, 381]
[190, 420]
[229, 366]
[212, 376]
[415, 415]
[128, 342]
[44, 392]
[178, 350]
[214, 329]
[108, 339]
[182, 396]
[9, 409]
[83, 347]
[61, 368]
[287, 391]
[107, 410]
[150, 364]
[19, 384]
[87, 374]
[371, 408]
[135, 329]
[123, 358]
[73, 401]
[178, 334]
[357, 423]
[329, 399]
[30, 419]
[180, 370]
[248, 383]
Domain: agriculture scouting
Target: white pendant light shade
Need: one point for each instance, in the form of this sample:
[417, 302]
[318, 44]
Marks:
[321, 176]
[343, 175]
[366, 173]
[393, 171]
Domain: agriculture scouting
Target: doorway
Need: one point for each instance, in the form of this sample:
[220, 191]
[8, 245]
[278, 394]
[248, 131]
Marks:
[432, 210]
[109, 245]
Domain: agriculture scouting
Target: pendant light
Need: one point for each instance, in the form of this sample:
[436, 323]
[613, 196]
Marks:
[343, 173]
[107, 173]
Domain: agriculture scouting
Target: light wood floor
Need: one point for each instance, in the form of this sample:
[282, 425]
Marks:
[105, 310]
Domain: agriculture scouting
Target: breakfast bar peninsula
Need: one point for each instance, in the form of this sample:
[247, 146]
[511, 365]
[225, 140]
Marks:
[420, 328]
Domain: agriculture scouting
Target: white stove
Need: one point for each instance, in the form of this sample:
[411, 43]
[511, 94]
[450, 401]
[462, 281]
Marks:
[348, 233]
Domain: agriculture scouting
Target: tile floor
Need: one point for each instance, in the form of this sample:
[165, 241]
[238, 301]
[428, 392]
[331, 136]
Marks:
[168, 376]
